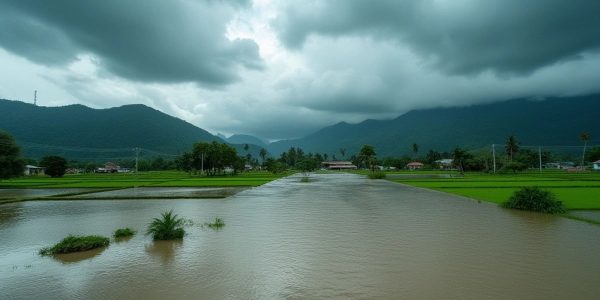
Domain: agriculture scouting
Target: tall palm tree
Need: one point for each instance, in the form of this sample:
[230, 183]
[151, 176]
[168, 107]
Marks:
[263, 154]
[512, 146]
[415, 149]
[584, 137]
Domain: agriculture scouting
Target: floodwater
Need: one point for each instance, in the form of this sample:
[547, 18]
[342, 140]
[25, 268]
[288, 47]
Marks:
[32, 193]
[338, 236]
[165, 192]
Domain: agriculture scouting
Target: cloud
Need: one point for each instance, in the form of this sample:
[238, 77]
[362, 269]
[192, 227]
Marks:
[144, 40]
[460, 36]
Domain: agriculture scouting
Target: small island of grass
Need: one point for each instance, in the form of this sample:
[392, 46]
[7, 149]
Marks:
[168, 227]
[535, 199]
[76, 244]
[124, 232]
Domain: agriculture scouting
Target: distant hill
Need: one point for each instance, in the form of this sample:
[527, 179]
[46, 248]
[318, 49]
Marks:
[555, 121]
[246, 139]
[80, 132]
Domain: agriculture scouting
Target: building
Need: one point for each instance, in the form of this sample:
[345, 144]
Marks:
[338, 165]
[415, 165]
[446, 163]
[34, 170]
[109, 167]
[596, 165]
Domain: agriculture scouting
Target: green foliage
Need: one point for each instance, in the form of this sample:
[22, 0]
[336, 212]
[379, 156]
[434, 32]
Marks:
[124, 232]
[376, 175]
[168, 227]
[275, 166]
[515, 167]
[75, 244]
[11, 163]
[594, 154]
[213, 157]
[534, 199]
[304, 179]
[55, 165]
[460, 156]
[367, 155]
[218, 223]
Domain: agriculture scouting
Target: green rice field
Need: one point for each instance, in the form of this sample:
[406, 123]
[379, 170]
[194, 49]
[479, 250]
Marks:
[145, 179]
[575, 190]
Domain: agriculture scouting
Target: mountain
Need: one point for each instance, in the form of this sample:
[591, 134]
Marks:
[246, 139]
[554, 121]
[80, 132]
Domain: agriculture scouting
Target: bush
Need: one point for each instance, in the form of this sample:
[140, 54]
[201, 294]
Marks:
[55, 165]
[377, 175]
[515, 167]
[304, 179]
[124, 232]
[535, 199]
[219, 222]
[169, 227]
[75, 244]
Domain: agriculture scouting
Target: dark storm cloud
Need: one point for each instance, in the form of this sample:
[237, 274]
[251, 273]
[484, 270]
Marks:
[149, 40]
[460, 37]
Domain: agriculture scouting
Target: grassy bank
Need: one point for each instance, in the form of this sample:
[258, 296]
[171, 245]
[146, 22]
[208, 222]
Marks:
[575, 190]
[143, 179]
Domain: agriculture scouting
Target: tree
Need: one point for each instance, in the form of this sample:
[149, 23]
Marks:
[263, 154]
[367, 155]
[512, 146]
[459, 156]
[594, 154]
[55, 165]
[415, 149]
[11, 163]
[584, 137]
[213, 157]
[343, 152]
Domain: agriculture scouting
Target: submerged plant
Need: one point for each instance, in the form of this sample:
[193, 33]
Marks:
[304, 179]
[168, 227]
[533, 198]
[75, 244]
[218, 223]
[124, 232]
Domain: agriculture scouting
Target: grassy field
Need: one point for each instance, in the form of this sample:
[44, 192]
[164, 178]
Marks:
[575, 190]
[146, 179]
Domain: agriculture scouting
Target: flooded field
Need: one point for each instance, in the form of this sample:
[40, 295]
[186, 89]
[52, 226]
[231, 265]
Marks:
[338, 236]
[159, 192]
[32, 193]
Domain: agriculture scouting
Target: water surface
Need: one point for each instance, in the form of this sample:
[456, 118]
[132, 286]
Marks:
[338, 236]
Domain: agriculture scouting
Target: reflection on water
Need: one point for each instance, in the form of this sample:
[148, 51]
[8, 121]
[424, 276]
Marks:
[164, 250]
[74, 257]
[337, 236]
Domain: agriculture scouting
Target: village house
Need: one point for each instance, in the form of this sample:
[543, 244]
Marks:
[596, 165]
[415, 165]
[338, 165]
[33, 170]
[446, 163]
[109, 167]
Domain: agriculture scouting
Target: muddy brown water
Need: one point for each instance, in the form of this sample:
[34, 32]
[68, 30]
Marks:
[338, 236]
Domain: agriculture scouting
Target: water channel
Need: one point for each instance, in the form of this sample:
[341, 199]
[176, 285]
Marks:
[337, 236]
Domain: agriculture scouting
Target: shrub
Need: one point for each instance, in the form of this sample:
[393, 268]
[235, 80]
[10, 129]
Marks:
[75, 244]
[304, 179]
[535, 199]
[124, 232]
[168, 227]
[377, 175]
[219, 222]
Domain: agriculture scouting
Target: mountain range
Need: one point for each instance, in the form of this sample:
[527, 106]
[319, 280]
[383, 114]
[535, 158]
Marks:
[80, 132]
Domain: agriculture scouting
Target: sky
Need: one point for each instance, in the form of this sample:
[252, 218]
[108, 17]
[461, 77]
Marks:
[284, 69]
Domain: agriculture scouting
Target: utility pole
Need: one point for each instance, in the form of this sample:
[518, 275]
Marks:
[137, 155]
[35, 98]
[540, 156]
[494, 155]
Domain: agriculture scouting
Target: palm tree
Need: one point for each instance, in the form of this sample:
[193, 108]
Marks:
[168, 227]
[512, 146]
[415, 149]
[263, 154]
[584, 137]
